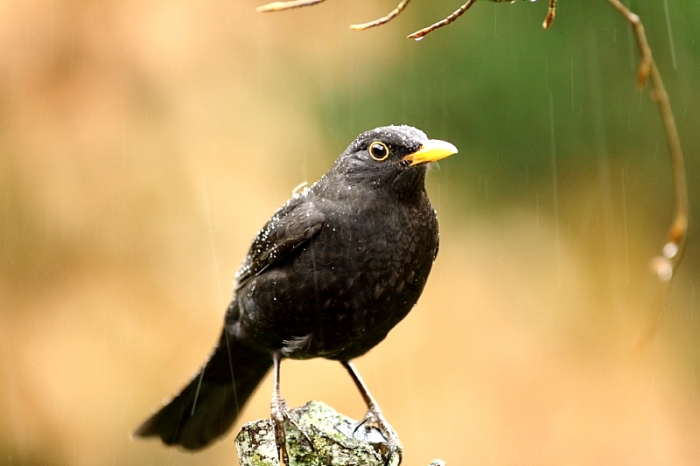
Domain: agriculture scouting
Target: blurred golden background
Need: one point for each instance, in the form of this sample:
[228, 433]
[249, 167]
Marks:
[143, 144]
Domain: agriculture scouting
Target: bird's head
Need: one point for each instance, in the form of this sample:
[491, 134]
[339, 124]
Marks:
[391, 156]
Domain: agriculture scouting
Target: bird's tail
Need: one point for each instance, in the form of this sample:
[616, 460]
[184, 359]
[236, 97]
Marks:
[207, 407]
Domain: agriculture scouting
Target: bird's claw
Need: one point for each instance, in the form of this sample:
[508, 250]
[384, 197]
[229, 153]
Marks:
[280, 413]
[394, 453]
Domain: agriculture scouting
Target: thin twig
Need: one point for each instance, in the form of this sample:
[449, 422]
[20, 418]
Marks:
[278, 6]
[672, 251]
[382, 20]
[658, 306]
[418, 35]
[551, 13]
[645, 61]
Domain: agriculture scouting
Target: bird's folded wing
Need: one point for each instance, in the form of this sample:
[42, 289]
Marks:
[296, 223]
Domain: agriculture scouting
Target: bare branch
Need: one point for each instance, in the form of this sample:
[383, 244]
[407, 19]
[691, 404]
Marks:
[418, 35]
[646, 60]
[382, 20]
[658, 306]
[551, 13]
[279, 6]
[672, 251]
[675, 242]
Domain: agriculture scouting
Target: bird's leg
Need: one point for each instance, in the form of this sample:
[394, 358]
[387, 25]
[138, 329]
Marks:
[376, 417]
[279, 412]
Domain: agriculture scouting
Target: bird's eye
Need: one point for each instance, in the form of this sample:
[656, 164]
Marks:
[379, 151]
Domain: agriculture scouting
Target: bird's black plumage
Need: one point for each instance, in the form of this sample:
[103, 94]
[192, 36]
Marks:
[329, 275]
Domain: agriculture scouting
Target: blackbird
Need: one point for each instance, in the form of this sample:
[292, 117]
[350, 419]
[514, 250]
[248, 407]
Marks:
[333, 270]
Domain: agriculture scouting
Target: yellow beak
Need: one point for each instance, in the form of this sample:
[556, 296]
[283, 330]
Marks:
[431, 151]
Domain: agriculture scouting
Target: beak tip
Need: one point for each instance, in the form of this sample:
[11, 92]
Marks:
[432, 150]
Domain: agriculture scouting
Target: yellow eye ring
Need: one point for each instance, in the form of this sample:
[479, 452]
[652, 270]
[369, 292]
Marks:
[379, 151]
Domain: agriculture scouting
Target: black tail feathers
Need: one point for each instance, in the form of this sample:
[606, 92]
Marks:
[207, 407]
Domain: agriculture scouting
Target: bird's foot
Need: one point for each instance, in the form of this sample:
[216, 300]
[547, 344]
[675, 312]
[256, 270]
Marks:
[376, 418]
[280, 412]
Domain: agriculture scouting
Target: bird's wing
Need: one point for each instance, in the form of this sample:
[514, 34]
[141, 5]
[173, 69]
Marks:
[297, 222]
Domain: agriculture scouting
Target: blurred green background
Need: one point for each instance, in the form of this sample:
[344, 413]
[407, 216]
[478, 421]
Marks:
[143, 144]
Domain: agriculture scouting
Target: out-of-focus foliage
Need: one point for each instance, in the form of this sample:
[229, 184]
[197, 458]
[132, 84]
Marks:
[142, 144]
